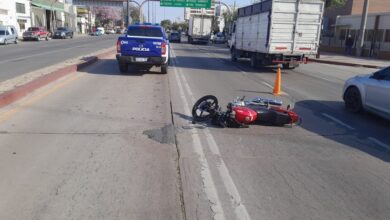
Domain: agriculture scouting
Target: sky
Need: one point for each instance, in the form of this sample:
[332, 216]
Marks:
[177, 14]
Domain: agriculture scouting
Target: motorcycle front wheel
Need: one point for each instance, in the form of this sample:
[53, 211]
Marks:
[205, 108]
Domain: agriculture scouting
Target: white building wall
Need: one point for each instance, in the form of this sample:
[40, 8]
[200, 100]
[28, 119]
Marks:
[9, 16]
[22, 20]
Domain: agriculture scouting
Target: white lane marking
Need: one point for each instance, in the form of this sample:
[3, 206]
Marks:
[235, 198]
[239, 208]
[380, 143]
[208, 182]
[338, 121]
[267, 84]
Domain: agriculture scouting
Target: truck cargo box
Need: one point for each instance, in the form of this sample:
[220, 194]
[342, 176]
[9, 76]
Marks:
[289, 27]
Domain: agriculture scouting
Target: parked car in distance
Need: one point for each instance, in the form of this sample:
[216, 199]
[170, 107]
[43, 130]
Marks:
[369, 92]
[63, 32]
[175, 36]
[110, 31]
[36, 33]
[8, 34]
[97, 33]
[219, 38]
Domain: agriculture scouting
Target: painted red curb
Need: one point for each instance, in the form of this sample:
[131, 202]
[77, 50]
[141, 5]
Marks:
[23, 90]
[344, 63]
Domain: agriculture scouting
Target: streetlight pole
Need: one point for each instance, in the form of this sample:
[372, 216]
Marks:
[127, 14]
[363, 28]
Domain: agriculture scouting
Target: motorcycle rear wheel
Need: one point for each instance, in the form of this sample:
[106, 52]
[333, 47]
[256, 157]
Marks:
[205, 108]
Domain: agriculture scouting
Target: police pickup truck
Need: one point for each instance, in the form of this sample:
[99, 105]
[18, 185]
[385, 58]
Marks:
[144, 45]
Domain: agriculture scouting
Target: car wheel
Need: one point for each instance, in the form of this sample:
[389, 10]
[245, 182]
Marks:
[46, 38]
[123, 67]
[71, 36]
[16, 41]
[164, 68]
[353, 100]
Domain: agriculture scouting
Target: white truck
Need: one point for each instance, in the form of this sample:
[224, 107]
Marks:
[277, 32]
[199, 28]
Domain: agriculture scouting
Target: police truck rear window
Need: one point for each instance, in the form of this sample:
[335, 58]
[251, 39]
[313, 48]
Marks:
[144, 31]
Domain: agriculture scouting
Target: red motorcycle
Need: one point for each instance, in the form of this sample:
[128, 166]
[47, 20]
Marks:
[241, 113]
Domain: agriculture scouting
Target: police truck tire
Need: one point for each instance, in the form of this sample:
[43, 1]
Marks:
[123, 67]
[164, 68]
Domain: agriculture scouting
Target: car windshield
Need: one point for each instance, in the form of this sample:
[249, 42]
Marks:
[2, 32]
[145, 31]
[220, 35]
[61, 29]
[174, 34]
[33, 29]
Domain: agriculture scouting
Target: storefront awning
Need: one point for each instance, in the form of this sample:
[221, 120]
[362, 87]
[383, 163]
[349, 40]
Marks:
[49, 4]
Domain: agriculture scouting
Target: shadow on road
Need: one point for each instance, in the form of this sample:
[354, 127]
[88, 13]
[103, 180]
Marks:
[111, 68]
[218, 64]
[316, 114]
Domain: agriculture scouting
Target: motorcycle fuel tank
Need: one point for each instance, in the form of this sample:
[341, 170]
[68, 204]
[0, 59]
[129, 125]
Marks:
[244, 115]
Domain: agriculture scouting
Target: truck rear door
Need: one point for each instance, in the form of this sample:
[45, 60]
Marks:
[296, 26]
[142, 41]
[197, 26]
[207, 23]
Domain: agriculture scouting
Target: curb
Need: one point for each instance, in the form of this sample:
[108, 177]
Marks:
[344, 63]
[21, 91]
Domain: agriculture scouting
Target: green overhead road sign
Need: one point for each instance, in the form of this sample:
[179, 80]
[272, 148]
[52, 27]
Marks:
[186, 3]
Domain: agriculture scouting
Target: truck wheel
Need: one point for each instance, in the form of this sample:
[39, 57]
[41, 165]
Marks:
[164, 68]
[254, 60]
[123, 67]
[233, 55]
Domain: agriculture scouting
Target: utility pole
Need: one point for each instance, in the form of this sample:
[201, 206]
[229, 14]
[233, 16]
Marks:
[362, 28]
[127, 13]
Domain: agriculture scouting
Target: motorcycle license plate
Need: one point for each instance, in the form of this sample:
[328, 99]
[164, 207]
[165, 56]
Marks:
[141, 59]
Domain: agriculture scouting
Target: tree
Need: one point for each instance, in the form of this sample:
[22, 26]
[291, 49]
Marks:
[335, 3]
[215, 25]
[167, 24]
[134, 14]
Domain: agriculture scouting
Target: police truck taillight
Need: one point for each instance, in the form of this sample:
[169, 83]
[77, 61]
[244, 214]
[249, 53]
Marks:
[118, 46]
[163, 48]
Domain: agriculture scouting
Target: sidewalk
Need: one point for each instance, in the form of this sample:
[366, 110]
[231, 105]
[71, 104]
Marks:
[339, 59]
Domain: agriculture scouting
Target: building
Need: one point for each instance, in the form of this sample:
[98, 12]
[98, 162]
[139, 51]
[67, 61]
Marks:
[16, 13]
[351, 7]
[341, 22]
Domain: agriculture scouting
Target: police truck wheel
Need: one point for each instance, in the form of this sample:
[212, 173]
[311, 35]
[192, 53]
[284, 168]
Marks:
[164, 69]
[123, 67]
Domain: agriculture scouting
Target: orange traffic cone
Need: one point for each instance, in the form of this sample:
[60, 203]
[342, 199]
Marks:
[278, 82]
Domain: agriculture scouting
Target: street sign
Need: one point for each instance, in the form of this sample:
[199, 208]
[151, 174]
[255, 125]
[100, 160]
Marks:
[186, 3]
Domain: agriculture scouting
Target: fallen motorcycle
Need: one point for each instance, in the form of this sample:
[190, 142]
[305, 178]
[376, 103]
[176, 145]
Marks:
[241, 113]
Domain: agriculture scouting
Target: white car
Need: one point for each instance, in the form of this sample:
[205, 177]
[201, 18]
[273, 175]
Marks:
[369, 92]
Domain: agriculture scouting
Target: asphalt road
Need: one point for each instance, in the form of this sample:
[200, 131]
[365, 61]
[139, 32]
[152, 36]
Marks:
[28, 56]
[101, 145]
[329, 167]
